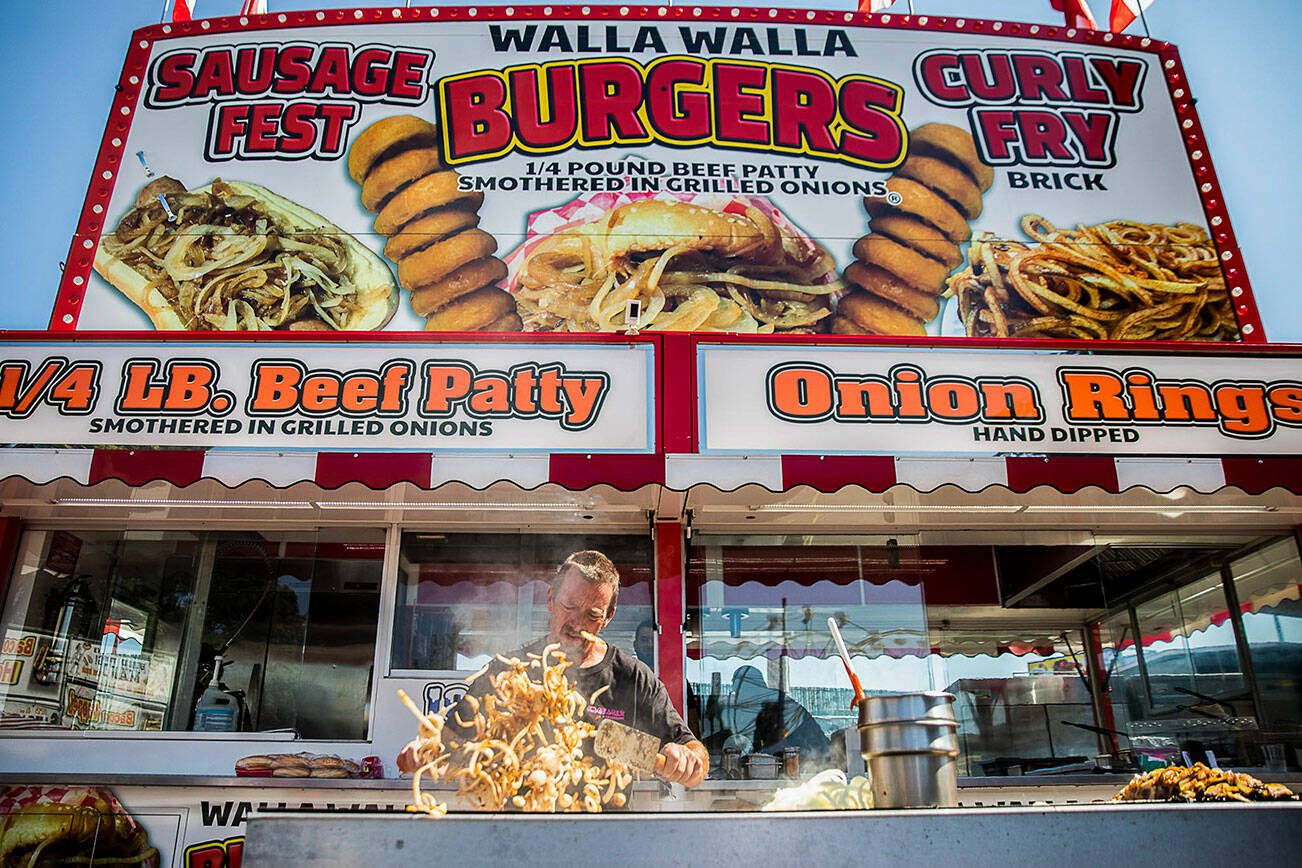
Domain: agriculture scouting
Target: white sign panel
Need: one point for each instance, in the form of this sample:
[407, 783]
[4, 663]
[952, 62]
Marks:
[389, 397]
[890, 401]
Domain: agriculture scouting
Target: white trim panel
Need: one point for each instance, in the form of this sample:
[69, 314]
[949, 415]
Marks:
[969, 474]
[46, 465]
[481, 471]
[235, 466]
[1167, 474]
[726, 472]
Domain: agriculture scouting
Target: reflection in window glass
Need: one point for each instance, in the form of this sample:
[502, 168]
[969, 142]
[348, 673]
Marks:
[1175, 684]
[464, 597]
[121, 630]
[1123, 688]
[763, 672]
[1190, 655]
[1268, 584]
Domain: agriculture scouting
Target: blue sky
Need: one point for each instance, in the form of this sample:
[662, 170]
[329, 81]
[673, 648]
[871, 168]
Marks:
[62, 57]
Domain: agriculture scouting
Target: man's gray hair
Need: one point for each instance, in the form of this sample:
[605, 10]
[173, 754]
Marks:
[595, 568]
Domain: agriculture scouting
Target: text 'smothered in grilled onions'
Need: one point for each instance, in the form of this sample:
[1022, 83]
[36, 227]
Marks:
[234, 256]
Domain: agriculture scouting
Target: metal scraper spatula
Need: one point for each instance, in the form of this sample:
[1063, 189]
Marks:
[638, 750]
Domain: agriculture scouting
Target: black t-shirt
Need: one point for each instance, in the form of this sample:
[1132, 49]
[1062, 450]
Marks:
[636, 697]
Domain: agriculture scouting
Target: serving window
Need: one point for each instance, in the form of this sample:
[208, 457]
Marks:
[1211, 665]
[1037, 644]
[463, 597]
[122, 630]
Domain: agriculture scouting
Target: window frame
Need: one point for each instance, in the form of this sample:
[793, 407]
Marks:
[384, 613]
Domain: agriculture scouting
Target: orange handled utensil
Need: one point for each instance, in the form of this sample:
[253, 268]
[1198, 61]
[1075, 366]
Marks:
[845, 659]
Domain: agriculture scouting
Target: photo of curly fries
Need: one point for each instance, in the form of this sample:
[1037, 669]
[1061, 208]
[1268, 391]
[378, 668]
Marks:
[1120, 280]
[524, 745]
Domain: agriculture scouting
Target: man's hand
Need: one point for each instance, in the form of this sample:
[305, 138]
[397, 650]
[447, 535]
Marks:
[407, 762]
[685, 764]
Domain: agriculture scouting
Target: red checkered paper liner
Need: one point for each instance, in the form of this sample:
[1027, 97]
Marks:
[17, 797]
[540, 225]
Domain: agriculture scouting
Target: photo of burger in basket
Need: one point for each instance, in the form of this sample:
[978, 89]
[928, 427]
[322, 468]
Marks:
[53, 825]
[704, 263]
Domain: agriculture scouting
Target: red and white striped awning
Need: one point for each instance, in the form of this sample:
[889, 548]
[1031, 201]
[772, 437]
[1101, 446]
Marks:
[678, 472]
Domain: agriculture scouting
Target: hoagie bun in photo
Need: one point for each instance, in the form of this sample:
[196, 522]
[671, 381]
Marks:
[234, 256]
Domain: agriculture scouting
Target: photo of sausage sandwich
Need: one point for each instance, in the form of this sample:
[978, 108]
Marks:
[234, 256]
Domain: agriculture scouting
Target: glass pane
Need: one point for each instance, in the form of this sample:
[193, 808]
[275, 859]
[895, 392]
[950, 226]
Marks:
[464, 597]
[1219, 688]
[1124, 695]
[122, 630]
[294, 617]
[94, 628]
[763, 672]
[1268, 584]
[761, 655]
[1177, 686]
[1013, 707]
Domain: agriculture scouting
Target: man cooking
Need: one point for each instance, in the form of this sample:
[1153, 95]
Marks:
[581, 600]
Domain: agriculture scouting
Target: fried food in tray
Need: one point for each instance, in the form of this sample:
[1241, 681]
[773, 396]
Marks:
[445, 261]
[1120, 280]
[524, 746]
[234, 256]
[741, 267]
[914, 235]
[1198, 783]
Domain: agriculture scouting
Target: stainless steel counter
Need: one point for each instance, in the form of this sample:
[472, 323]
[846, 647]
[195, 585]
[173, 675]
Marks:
[650, 796]
[1116, 782]
[1268, 834]
[204, 781]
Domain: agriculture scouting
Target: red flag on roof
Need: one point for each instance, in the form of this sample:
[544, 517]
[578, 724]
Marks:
[183, 10]
[254, 7]
[1075, 13]
[1124, 12]
[874, 5]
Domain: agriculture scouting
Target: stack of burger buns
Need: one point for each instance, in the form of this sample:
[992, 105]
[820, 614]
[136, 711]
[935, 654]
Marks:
[297, 765]
[445, 261]
[902, 264]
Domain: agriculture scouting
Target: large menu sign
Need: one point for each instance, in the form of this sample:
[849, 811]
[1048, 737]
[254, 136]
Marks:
[446, 396]
[858, 400]
[566, 169]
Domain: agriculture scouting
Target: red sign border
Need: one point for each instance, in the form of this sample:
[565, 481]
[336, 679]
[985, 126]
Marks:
[77, 268]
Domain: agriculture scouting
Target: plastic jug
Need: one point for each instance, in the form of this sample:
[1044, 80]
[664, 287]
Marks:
[216, 710]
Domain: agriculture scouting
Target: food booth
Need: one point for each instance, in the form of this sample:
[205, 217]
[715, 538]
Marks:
[782, 311]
